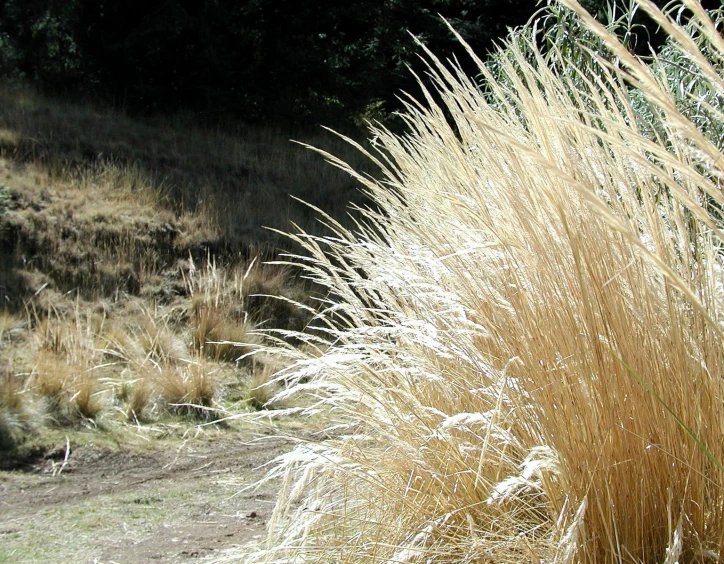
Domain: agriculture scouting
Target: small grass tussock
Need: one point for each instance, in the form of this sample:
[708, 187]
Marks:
[522, 354]
[190, 390]
[219, 336]
[138, 400]
[70, 393]
[221, 328]
[67, 338]
[144, 335]
[87, 399]
[263, 388]
[230, 306]
[19, 414]
[64, 364]
[133, 398]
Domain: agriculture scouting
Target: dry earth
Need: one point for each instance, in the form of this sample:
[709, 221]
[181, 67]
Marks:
[171, 500]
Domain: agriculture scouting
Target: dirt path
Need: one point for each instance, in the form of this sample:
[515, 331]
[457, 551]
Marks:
[170, 501]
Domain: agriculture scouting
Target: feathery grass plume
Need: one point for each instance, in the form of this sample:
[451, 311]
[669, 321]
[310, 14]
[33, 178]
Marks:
[523, 353]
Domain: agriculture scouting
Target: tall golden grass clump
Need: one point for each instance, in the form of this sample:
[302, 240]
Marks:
[526, 337]
[222, 329]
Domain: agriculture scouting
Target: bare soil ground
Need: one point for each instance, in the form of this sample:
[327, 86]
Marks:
[168, 500]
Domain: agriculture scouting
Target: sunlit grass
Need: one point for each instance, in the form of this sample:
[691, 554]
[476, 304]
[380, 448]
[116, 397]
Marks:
[525, 344]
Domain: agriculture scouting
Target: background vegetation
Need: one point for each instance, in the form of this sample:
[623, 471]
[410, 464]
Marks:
[285, 61]
[132, 258]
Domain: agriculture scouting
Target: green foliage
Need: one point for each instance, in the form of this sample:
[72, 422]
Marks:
[573, 50]
[38, 42]
[259, 59]
[282, 60]
[569, 47]
[693, 92]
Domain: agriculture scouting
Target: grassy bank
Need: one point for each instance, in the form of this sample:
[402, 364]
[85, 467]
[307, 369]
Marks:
[133, 257]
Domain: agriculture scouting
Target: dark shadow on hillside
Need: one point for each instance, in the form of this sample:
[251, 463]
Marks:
[15, 288]
[101, 200]
[242, 178]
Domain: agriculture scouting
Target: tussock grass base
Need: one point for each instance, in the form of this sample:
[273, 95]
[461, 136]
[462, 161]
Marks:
[85, 364]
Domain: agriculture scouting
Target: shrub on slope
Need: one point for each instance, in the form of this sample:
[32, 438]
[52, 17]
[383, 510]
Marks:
[523, 346]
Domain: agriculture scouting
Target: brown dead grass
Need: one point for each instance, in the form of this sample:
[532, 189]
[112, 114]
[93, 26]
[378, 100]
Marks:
[232, 307]
[128, 360]
[142, 335]
[220, 337]
[190, 390]
[102, 202]
[263, 388]
[71, 394]
[138, 400]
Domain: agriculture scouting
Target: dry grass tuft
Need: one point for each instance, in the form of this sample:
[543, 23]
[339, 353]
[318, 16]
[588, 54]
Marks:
[229, 306]
[190, 390]
[71, 394]
[19, 417]
[262, 387]
[54, 336]
[86, 399]
[525, 343]
[139, 400]
[219, 336]
[144, 335]
[64, 363]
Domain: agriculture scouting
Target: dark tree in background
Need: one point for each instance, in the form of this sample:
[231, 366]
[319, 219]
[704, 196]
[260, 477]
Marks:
[38, 42]
[284, 60]
[287, 61]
